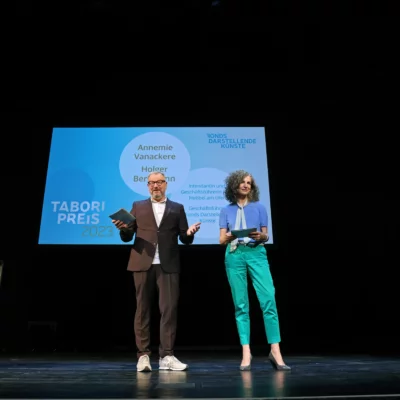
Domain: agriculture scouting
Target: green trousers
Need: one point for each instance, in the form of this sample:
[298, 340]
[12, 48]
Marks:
[252, 260]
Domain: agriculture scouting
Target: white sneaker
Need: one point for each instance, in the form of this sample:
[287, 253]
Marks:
[143, 364]
[172, 363]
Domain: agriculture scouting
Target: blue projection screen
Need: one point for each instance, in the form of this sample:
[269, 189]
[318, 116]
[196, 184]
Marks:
[93, 172]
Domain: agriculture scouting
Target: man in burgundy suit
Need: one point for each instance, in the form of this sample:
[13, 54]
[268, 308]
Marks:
[154, 260]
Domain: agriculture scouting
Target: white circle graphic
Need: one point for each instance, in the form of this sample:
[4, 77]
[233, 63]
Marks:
[154, 151]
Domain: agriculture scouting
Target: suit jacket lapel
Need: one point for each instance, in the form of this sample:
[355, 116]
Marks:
[166, 212]
[151, 213]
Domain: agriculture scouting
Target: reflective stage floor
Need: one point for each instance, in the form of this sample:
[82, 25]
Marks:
[211, 375]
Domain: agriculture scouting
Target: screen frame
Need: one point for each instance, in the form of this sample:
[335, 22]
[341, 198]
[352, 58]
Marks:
[45, 156]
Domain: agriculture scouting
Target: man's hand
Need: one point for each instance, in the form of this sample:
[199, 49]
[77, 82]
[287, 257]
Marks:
[193, 229]
[119, 224]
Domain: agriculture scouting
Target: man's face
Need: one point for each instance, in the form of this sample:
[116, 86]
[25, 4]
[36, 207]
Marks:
[157, 186]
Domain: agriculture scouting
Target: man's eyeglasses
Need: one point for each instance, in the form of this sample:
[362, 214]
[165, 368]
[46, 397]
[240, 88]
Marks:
[152, 183]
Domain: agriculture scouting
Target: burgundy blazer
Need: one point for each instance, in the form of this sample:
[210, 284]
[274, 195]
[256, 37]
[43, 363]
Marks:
[147, 235]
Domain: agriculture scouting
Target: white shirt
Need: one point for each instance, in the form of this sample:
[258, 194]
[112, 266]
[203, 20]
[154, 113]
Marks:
[158, 210]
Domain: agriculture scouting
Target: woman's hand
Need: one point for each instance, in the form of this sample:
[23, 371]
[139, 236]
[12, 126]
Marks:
[229, 237]
[258, 236]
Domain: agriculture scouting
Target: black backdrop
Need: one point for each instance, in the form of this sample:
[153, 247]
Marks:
[318, 76]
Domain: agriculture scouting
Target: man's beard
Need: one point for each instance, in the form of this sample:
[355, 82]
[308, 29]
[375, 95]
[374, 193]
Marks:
[157, 195]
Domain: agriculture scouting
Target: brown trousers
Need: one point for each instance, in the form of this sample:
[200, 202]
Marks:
[168, 293]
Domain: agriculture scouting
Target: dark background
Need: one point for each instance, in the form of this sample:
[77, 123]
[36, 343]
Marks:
[320, 75]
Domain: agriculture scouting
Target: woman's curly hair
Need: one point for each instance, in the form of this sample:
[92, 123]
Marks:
[232, 182]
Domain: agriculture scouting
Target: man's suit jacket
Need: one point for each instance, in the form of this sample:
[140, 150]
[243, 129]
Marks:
[173, 225]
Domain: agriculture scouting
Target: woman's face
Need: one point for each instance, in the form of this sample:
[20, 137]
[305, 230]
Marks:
[245, 186]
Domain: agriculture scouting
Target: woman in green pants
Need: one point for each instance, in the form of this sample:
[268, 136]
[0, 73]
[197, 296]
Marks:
[247, 255]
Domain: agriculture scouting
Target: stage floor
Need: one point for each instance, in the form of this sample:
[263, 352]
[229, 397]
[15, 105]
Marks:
[211, 375]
